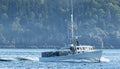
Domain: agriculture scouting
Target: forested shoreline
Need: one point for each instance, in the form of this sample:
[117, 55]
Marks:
[36, 23]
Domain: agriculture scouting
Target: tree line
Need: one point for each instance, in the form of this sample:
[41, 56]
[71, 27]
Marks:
[45, 22]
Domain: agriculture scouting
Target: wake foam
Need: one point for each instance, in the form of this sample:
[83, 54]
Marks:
[19, 59]
[103, 59]
[27, 58]
[7, 59]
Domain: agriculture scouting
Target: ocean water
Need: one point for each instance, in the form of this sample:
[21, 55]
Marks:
[29, 59]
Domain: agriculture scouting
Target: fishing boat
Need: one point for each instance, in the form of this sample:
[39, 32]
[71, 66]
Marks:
[75, 50]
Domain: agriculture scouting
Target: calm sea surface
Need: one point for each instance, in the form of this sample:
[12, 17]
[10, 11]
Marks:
[29, 59]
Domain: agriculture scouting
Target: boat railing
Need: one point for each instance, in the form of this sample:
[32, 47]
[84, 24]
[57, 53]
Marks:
[84, 48]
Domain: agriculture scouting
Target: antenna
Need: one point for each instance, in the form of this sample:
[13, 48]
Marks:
[72, 25]
[72, 6]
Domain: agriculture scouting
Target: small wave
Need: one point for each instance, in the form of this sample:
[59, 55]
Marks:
[7, 59]
[22, 59]
[27, 58]
[19, 59]
[103, 59]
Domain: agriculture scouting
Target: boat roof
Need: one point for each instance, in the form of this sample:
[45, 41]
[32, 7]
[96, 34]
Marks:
[84, 46]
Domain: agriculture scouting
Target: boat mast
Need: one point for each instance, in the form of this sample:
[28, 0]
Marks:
[72, 25]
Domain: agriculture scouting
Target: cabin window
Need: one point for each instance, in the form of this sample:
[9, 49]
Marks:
[82, 51]
[77, 48]
[80, 48]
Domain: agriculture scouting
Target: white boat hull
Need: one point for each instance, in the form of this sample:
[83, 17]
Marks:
[90, 55]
